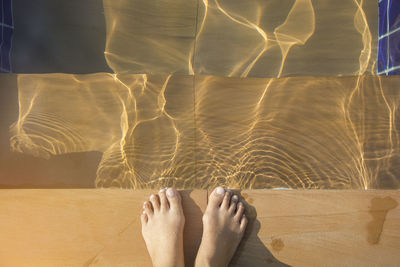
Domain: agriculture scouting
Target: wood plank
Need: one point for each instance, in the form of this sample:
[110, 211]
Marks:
[100, 227]
[322, 228]
[83, 227]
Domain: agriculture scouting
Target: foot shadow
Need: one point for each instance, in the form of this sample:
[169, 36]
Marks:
[193, 226]
[251, 250]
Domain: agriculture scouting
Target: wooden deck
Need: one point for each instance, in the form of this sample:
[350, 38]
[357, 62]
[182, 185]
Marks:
[101, 227]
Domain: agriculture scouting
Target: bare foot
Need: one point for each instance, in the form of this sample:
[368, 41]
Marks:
[162, 228]
[224, 224]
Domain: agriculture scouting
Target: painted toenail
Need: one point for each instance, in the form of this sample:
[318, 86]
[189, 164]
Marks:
[220, 190]
[170, 192]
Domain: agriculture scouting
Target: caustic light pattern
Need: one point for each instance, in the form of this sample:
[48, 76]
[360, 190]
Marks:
[208, 93]
[235, 38]
[200, 131]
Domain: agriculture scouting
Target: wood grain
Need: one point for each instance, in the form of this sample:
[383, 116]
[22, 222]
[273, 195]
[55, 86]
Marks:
[322, 228]
[83, 227]
[101, 227]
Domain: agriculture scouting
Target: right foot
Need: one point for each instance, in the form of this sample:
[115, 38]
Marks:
[224, 224]
[162, 228]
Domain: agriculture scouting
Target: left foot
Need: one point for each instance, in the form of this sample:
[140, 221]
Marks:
[162, 228]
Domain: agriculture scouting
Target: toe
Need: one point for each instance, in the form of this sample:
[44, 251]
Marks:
[243, 223]
[216, 197]
[163, 200]
[155, 202]
[174, 199]
[143, 218]
[227, 200]
[148, 208]
[239, 212]
[234, 201]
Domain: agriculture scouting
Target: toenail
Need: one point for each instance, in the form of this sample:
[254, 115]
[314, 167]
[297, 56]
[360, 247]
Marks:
[170, 192]
[235, 198]
[153, 197]
[162, 190]
[220, 190]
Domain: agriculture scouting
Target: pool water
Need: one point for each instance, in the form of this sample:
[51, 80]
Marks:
[194, 94]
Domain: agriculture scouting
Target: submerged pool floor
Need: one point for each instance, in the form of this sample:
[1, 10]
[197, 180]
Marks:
[266, 94]
[151, 131]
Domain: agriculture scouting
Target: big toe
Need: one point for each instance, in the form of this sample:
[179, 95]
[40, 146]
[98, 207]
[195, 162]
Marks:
[216, 197]
[174, 199]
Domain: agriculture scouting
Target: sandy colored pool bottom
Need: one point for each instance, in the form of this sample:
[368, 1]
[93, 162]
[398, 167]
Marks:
[101, 227]
[277, 38]
[187, 132]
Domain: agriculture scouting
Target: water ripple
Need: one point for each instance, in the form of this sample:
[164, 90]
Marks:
[200, 131]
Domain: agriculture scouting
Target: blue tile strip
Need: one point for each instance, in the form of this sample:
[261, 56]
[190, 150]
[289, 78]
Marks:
[389, 37]
[7, 29]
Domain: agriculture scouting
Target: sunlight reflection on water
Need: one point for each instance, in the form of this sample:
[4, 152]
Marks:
[199, 131]
[256, 38]
[207, 92]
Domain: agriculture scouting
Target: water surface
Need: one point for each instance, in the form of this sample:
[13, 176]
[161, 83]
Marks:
[200, 131]
[255, 94]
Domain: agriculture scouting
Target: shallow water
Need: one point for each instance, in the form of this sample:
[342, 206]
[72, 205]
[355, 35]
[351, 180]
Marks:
[256, 38]
[199, 131]
[245, 95]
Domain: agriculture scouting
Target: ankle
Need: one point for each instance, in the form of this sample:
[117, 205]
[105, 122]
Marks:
[173, 263]
[202, 262]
